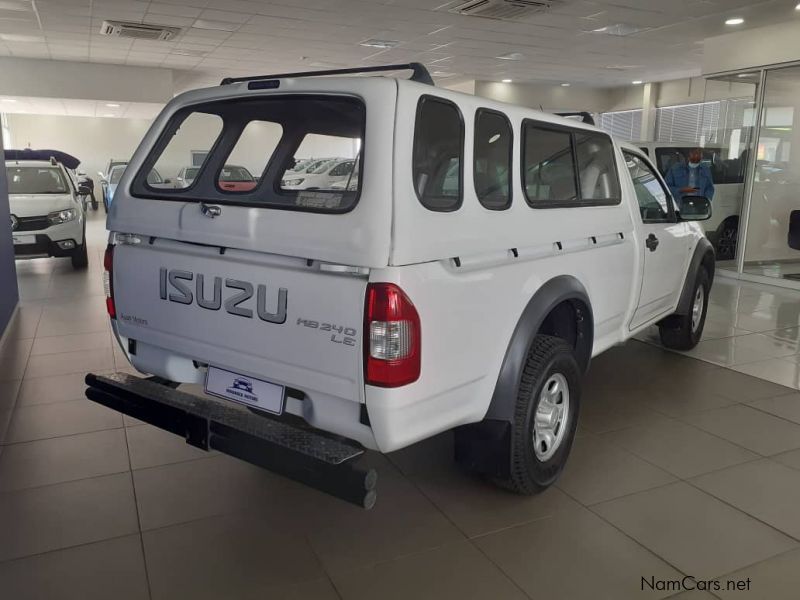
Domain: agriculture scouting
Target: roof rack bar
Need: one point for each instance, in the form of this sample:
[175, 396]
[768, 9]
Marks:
[419, 73]
[585, 116]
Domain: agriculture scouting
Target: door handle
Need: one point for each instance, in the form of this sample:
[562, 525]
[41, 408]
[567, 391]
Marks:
[651, 242]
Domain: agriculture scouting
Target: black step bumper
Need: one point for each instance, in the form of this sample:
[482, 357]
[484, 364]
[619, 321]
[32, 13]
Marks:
[305, 455]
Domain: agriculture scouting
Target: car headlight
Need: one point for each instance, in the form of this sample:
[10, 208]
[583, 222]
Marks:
[292, 181]
[61, 216]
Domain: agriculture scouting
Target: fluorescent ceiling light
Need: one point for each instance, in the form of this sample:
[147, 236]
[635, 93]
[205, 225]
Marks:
[637, 82]
[797, 7]
[507, 80]
[620, 29]
[112, 105]
[382, 44]
[566, 84]
[7, 100]
[215, 25]
[511, 56]
[16, 37]
[734, 21]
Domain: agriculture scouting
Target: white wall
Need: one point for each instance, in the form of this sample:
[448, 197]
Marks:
[93, 140]
[93, 81]
[551, 98]
[749, 48]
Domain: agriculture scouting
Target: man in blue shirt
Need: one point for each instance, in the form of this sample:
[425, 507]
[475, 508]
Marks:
[692, 179]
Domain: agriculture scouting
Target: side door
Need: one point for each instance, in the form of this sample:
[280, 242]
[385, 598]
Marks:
[664, 242]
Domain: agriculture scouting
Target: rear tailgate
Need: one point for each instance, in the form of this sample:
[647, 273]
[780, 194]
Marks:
[296, 325]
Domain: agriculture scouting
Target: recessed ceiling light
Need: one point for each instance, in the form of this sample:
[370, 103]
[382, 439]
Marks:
[112, 105]
[382, 44]
[566, 84]
[734, 21]
[637, 82]
[797, 7]
[507, 80]
[511, 56]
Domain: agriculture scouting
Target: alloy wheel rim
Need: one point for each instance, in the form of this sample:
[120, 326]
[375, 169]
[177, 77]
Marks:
[551, 417]
[697, 307]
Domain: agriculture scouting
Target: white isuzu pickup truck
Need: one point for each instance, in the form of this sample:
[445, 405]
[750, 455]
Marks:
[479, 255]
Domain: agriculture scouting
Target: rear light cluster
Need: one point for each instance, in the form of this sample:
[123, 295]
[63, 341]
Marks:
[108, 281]
[392, 337]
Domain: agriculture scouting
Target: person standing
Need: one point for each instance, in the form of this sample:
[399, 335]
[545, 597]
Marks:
[692, 178]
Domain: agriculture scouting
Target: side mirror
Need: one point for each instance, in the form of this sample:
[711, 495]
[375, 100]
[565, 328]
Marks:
[694, 208]
[84, 190]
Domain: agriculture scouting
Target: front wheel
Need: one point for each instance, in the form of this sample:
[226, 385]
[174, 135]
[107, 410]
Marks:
[726, 243]
[545, 416]
[683, 332]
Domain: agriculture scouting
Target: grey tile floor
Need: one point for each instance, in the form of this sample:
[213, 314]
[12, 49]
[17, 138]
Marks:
[681, 467]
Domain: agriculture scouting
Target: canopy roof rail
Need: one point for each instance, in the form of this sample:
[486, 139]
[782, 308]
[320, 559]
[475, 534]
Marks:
[585, 116]
[419, 73]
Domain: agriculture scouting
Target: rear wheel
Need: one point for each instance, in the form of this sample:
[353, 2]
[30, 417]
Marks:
[545, 416]
[683, 332]
[80, 256]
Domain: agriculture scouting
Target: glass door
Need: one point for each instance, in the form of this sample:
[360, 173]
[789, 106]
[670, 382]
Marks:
[726, 137]
[773, 229]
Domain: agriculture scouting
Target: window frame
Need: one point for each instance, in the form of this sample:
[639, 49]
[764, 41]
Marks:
[579, 201]
[489, 111]
[672, 213]
[423, 99]
[140, 190]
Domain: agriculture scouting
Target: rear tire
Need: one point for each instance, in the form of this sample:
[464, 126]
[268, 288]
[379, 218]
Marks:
[80, 257]
[545, 416]
[726, 241]
[683, 332]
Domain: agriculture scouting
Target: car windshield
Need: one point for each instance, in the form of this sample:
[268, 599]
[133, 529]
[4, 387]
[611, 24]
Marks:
[235, 174]
[35, 180]
[116, 174]
[322, 168]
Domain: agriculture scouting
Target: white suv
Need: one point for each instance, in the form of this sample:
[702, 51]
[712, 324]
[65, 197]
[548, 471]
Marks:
[47, 210]
[485, 254]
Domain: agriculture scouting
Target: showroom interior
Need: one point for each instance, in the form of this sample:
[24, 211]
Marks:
[683, 480]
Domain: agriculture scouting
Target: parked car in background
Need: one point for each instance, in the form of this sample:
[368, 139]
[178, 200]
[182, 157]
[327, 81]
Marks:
[234, 178]
[185, 176]
[110, 182]
[728, 176]
[322, 177]
[47, 209]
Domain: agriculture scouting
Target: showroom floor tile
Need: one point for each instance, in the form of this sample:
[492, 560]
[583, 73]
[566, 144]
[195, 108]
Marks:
[687, 468]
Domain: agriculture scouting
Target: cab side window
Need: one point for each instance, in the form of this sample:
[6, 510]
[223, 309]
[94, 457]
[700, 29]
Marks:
[493, 156]
[655, 204]
[548, 168]
[597, 168]
[438, 158]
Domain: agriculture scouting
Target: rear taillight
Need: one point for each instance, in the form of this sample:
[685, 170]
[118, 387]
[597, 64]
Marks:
[392, 337]
[108, 281]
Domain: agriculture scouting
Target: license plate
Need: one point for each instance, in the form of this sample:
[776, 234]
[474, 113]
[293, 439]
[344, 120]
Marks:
[24, 239]
[245, 390]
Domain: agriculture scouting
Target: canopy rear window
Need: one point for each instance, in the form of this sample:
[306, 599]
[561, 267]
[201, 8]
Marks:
[273, 142]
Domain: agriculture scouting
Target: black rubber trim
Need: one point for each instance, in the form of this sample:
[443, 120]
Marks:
[550, 295]
[703, 256]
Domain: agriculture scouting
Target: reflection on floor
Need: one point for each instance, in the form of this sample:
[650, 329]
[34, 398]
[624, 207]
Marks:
[681, 467]
[750, 328]
[781, 269]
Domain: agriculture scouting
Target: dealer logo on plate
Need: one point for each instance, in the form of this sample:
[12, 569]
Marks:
[242, 388]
